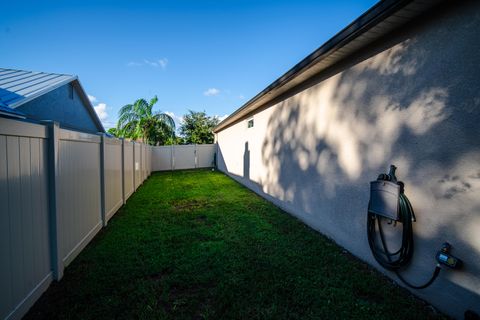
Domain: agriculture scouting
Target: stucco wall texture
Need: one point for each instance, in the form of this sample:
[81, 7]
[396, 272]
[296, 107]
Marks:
[411, 100]
[57, 105]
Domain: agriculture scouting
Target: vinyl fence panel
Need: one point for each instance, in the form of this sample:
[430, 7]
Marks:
[162, 158]
[144, 162]
[55, 185]
[149, 157]
[25, 268]
[137, 164]
[128, 169]
[113, 176]
[184, 157]
[149, 160]
[79, 201]
[179, 157]
[205, 155]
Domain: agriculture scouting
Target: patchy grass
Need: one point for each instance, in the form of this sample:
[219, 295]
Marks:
[195, 245]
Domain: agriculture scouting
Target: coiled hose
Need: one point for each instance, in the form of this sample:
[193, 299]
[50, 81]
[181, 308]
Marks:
[395, 261]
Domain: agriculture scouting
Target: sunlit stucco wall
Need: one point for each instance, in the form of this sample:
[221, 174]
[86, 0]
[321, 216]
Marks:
[412, 100]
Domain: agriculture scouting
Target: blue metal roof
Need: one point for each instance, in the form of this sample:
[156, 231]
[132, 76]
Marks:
[18, 86]
[4, 110]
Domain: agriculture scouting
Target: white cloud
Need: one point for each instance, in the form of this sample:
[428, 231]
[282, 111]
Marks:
[91, 98]
[133, 64]
[150, 63]
[160, 63]
[221, 118]
[108, 124]
[163, 63]
[101, 110]
[178, 119]
[211, 92]
[241, 97]
[171, 114]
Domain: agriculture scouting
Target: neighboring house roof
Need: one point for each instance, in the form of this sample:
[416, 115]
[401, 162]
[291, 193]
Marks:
[6, 111]
[384, 17]
[18, 87]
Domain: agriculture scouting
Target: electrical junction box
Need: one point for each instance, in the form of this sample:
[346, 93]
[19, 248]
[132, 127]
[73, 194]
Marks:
[384, 197]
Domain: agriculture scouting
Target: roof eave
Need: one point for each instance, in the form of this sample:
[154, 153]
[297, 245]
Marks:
[367, 21]
[42, 92]
[12, 115]
[90, 108]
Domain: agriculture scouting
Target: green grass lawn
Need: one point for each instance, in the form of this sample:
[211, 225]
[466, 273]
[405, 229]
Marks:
[196, 244]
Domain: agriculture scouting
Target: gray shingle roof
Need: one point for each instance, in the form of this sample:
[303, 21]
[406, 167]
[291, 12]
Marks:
[18, 87]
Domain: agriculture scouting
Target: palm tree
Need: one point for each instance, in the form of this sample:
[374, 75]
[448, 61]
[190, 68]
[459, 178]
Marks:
[113, 132]
[138, 121]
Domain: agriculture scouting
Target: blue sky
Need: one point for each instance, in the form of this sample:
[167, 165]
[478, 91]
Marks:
[198, 55]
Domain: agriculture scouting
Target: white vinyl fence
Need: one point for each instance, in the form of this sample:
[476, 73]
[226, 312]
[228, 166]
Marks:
[112, 170]
[178, 157]
[128, 170]
[25, 250]
[137, 156]
[57, 189]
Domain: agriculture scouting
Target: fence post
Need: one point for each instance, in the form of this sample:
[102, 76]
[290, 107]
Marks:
[142, 173]
[133, 164]
[140, 157]
[102, 180]
[124, 198]
[134, 168]
[172, 157]
[53, 195]
[195, 157]
[141, 163]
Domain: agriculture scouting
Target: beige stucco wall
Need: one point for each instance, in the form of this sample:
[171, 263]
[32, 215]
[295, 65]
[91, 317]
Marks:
[413, 100]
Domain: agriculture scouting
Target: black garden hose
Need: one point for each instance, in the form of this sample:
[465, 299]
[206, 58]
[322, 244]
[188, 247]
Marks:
[396, 261]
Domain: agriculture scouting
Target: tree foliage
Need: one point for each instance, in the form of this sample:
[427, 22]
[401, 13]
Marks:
[113, 132]
[138, 121]
[197, 127]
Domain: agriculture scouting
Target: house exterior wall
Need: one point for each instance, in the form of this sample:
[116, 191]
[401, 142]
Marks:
[57, 105]
[411, 100]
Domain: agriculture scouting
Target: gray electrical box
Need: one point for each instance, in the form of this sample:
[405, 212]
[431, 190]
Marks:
[384, 199]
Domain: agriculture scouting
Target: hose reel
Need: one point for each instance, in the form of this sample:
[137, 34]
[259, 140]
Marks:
[389, 202]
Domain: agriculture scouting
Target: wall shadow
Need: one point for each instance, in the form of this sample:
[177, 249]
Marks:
[414, 105]
[246, 162]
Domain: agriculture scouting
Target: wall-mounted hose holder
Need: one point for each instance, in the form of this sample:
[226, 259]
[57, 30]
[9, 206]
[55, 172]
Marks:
[388, 201]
